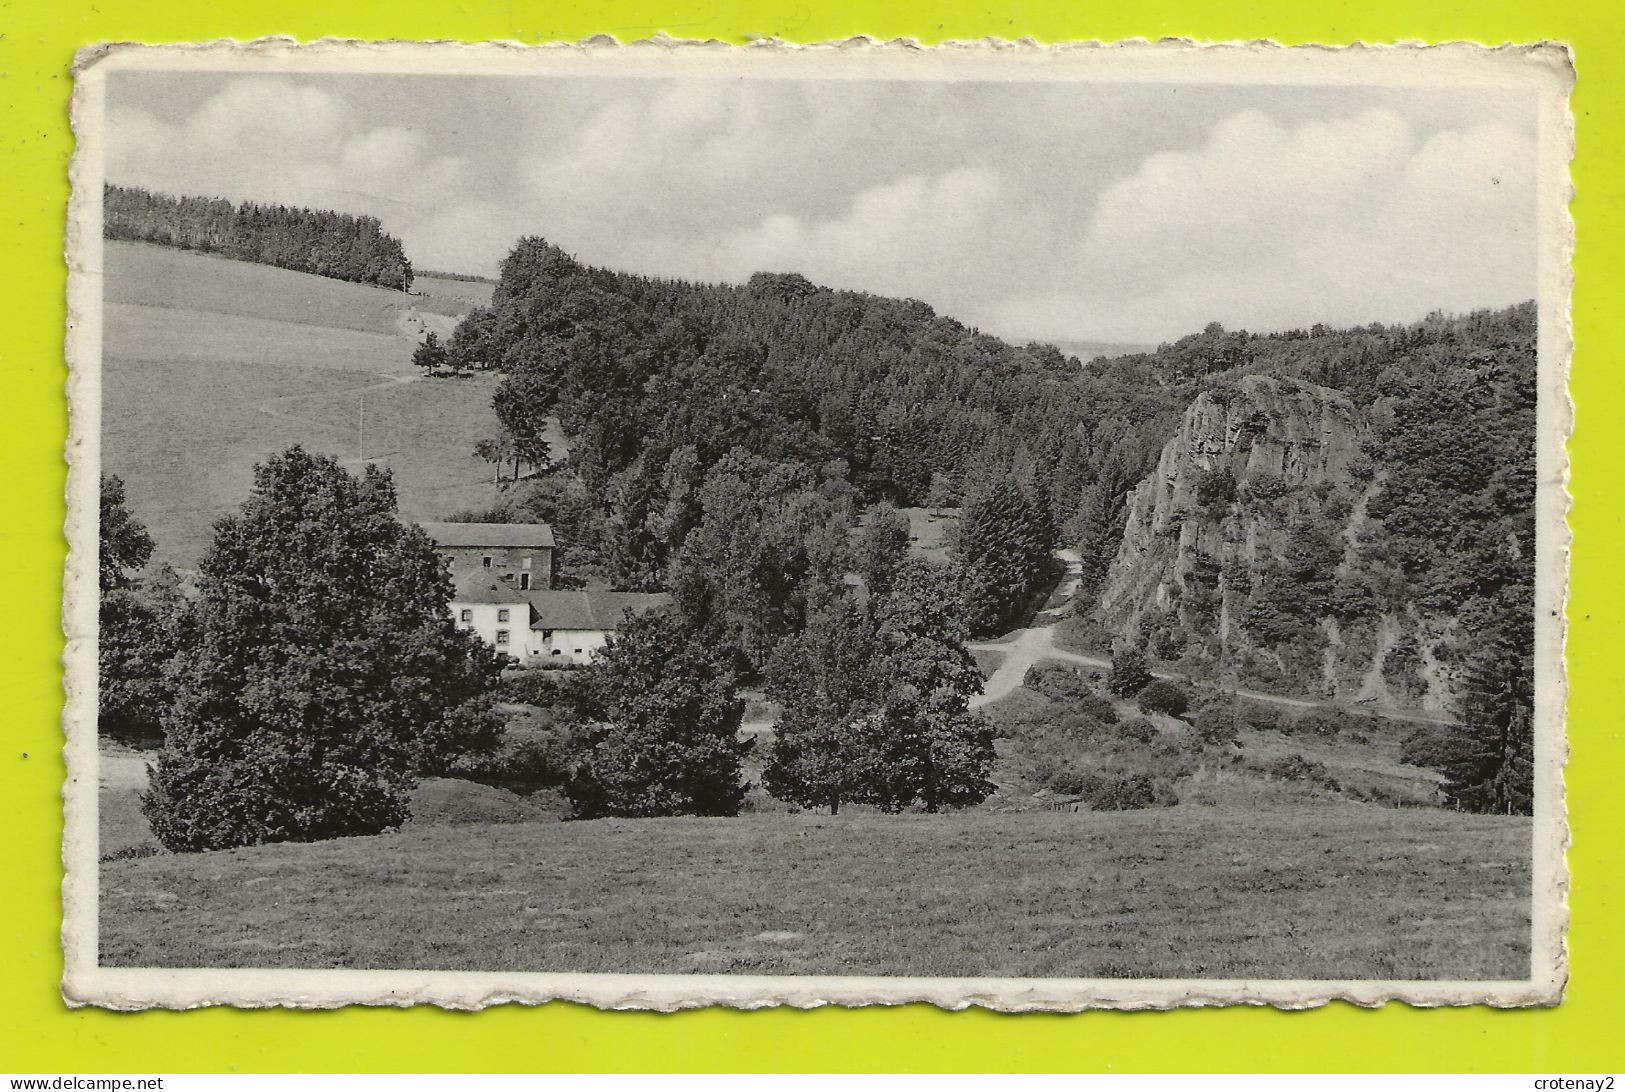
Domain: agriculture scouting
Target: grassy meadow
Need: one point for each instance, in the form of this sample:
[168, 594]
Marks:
[210, 365]
[447, 288]
[1337, 891]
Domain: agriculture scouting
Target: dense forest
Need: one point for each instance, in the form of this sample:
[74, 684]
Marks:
[657, 380]
[319, 241]
[882, 394]
[724, 436]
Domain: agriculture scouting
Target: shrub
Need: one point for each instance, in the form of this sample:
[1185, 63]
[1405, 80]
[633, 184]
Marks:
[1167, 746]
[1067, 685]
[1096, 707]
[1267, 487]
[1068, 780]
[1085, 725]
[133, 852]
[1054, 680]
[539, 688]
[522, 765]
[1169, 643]
[1215, 723]
[1130, 673]
[1215, 487]
[1298, 768]
[1139, 730]
[1162, 696]
[1112, 790]
[1265, 718]
[1430, 748]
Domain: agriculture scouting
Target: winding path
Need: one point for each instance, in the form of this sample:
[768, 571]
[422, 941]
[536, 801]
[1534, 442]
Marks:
[1025, 647]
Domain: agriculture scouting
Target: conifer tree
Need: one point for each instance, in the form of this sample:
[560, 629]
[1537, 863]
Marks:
[1002, 553]
[1489, 760]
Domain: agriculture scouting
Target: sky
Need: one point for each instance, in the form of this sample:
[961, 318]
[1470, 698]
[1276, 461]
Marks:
[1116, 212]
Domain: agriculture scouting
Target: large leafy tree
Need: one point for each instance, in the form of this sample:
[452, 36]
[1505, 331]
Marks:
[135, 625]
[660, 733]
[124, 545]
[882, 546]
[931, 748]
[767, 534]
[319, 673]
[827, 683]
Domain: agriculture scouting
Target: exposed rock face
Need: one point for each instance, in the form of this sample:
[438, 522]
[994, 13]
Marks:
[1246, 554]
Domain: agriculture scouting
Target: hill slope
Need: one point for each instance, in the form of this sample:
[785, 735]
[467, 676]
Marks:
[1332, 892]
[210, 365]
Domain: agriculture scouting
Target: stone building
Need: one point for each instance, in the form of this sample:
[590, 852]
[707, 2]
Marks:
[519, 555]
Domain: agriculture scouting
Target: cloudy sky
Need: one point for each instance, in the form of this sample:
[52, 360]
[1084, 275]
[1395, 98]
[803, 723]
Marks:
[1122, 212]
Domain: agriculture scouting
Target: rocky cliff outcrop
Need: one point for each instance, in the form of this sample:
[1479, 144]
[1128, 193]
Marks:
[1248, 554]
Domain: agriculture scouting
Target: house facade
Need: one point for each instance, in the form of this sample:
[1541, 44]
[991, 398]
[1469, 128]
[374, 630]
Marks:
[545, 628]
[519, 555]
[495, 610]
[502, 580]
[571, 627]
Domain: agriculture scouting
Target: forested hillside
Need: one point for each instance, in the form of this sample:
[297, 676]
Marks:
[882, 393]
[1339, 512]
[319, 241]
[1362, 524]
[903, 399]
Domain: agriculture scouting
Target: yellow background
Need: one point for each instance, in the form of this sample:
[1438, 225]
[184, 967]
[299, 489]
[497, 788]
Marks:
[39, 1034]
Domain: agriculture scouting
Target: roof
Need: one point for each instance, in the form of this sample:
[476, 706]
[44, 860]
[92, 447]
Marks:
[489, 534]
[589, 609]
[483, 588]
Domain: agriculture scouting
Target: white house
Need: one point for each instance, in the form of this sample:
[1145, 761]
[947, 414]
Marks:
[544, 628]
[571, 626]
[495, 610]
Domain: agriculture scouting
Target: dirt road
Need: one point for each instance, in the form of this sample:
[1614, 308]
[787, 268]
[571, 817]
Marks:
[1025, 647]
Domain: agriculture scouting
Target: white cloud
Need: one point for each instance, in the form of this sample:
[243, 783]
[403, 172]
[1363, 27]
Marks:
[1027, 226]
[1346, 221]
[276, 140]
[894, 238]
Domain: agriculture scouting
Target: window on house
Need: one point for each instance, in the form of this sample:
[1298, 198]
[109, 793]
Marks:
[558, 652]
[486, 561]
[502, 615]
[502, 636]
[578, 652]
[467, 615]
[524, 582]
[524, 563]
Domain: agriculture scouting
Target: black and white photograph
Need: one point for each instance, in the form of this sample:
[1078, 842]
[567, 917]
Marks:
[675, 524]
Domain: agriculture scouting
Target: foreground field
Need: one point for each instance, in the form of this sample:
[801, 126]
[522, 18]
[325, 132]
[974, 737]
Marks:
[211, 365]
[1328, 892]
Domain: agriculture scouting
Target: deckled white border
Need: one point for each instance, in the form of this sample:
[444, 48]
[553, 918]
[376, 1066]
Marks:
[1545, 69]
